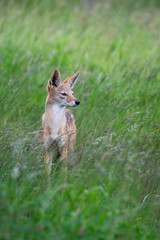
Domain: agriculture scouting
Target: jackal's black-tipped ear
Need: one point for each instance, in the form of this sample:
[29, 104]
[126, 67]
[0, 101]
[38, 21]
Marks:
[55, 78]
[71, 80]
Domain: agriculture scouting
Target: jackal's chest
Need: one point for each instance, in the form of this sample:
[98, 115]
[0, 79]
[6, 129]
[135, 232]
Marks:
[58, 132]
[54, 124]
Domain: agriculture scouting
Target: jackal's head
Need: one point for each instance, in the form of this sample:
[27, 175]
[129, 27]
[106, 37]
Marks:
[61, 93]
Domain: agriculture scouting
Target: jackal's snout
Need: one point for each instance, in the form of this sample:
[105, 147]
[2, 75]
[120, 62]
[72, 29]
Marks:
[74, 103]
[77, 102]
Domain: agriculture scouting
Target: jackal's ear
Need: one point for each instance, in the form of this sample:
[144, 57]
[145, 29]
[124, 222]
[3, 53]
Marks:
[55, 78]
[71, 80]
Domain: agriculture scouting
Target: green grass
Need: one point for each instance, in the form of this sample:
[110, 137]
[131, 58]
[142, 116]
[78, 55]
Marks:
[112, 189]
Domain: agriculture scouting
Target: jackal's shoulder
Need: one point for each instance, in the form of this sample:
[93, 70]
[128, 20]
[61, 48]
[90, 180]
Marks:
[69, 117]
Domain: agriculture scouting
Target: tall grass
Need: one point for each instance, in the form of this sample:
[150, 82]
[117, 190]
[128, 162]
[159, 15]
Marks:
[112, 188]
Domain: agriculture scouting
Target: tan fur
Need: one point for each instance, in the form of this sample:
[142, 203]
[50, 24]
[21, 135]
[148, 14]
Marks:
[58, 124]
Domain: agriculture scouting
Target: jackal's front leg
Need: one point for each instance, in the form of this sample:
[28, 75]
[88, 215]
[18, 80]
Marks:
[49, 141]
[48, 162]
[64, 154]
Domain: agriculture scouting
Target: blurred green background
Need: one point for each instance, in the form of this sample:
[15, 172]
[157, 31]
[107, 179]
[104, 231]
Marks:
[112, 189]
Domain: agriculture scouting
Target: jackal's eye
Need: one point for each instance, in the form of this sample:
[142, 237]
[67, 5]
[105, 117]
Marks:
[64, 94]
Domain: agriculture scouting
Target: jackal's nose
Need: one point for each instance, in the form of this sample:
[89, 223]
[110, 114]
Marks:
[77, 102]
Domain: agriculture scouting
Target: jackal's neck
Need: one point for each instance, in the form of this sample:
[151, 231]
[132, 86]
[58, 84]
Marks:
[55, 109]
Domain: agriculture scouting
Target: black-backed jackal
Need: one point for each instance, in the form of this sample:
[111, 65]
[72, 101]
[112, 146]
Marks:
[58, 124]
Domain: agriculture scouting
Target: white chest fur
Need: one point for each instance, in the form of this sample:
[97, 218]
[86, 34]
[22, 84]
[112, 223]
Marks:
[55, 118]
[54, 122]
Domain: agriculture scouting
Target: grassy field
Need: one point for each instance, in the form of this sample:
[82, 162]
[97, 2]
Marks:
[112, 189]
